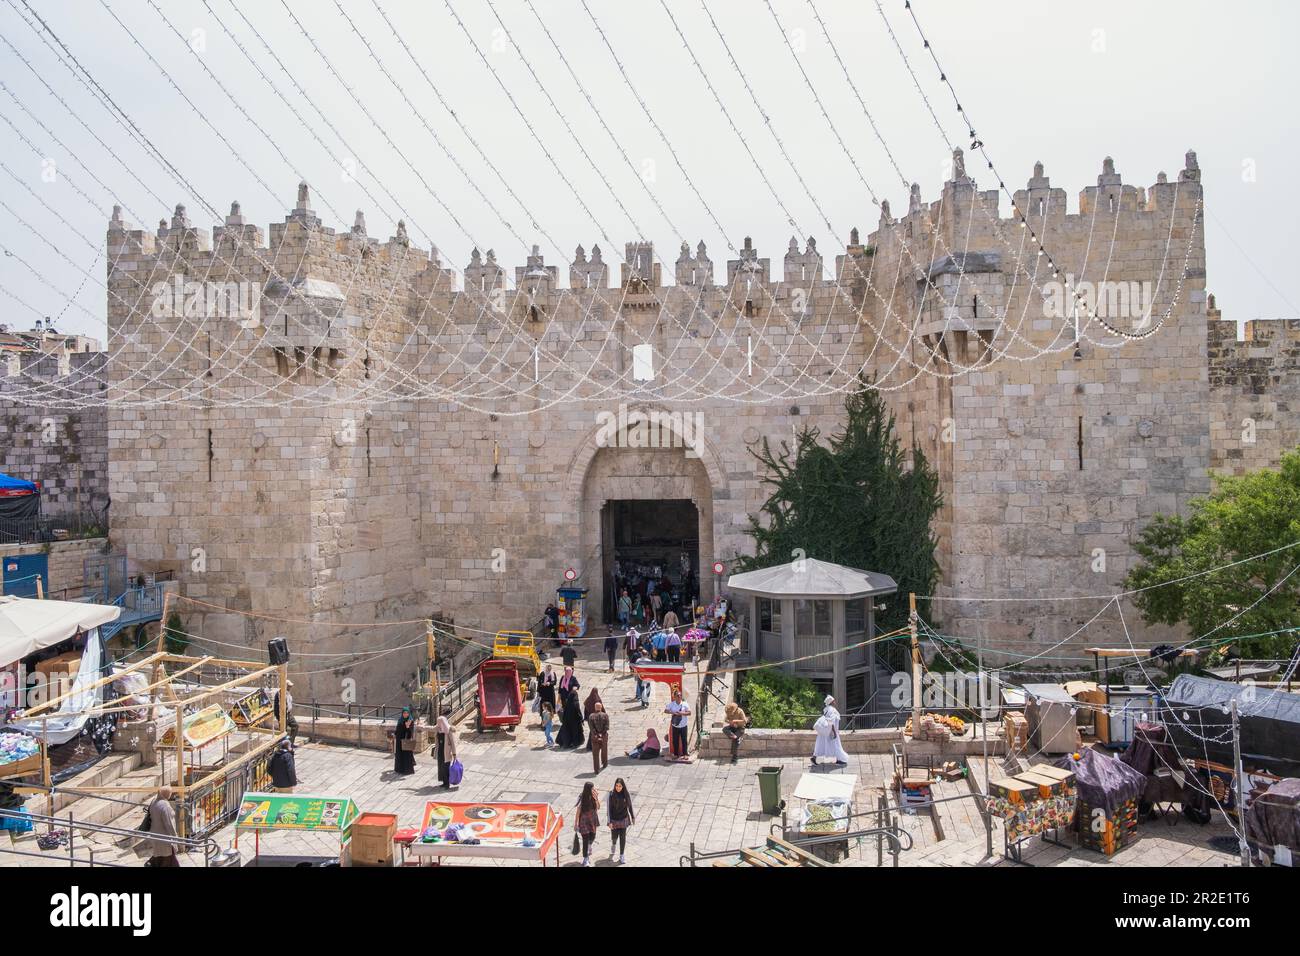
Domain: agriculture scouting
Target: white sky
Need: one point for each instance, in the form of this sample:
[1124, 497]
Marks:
[1169, 76]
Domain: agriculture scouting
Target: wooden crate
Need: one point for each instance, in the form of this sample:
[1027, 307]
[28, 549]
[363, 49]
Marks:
[372, 839]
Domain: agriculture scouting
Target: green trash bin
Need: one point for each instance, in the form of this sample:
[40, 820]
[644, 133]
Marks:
[769, 789]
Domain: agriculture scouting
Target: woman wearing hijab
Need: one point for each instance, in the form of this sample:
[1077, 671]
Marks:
[571, 733]
[647, 749]
[568, 686]
[828, 735]
[404, 760]
[546, 687]
[588, 819]
[620, 815]
[446, 746]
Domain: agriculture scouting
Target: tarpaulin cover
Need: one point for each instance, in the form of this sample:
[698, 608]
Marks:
[1103, 781]
[1274, 817]
[16, 486]
[1270, 723]
[19, 499]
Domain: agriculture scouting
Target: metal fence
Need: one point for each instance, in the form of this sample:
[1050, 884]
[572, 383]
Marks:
[209, 807]
[42, 529]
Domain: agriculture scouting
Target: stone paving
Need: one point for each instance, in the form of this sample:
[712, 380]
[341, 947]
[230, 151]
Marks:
[712, 804]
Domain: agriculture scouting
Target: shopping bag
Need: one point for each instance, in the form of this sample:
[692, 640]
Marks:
[577, 845]
[455, 773]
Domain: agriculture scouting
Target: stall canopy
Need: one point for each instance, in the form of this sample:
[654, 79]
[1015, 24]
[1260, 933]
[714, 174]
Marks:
[1270, 722]
[18, 498]
[28, 625]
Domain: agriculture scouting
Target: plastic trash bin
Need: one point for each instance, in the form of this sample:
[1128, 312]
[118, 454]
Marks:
[769, 789]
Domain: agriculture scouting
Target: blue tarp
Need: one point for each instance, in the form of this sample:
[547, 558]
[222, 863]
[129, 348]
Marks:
[16, 486]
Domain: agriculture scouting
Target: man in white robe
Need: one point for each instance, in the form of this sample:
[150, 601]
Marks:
[828, 735]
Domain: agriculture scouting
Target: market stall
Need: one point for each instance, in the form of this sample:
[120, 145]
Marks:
[298, 812]
[1106, 818]
[826, 810]
[1040, 802]
[502, 831]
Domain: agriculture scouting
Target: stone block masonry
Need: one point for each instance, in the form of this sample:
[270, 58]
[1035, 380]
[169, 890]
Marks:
[383, 504]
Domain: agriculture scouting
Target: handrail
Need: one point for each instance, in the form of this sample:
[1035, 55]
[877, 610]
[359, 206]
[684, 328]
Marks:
[207, 845]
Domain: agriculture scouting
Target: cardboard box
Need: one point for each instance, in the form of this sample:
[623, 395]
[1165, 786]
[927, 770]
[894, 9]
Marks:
[1014, 790]
[1047, 770]
[1047, 786]
[372, 839]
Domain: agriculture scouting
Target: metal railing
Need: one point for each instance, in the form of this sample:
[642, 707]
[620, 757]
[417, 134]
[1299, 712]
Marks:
[206, 845]
[42, 529]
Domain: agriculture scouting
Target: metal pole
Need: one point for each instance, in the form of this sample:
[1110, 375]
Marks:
[916, 666]
[988, 817]
[1241, 784]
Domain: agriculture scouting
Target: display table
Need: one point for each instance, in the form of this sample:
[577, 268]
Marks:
[827, 810]
[505, 831]
[302, 812]
[1038, 802]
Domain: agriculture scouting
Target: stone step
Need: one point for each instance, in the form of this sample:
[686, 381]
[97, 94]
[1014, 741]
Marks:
[112, 767]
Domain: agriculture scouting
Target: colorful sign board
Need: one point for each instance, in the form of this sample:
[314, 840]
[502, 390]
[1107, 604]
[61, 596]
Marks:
[500, 823]
[202, 727]
[295, 811]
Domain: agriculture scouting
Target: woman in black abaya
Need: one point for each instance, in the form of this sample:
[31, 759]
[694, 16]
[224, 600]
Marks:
[404, 760]
[571, 734]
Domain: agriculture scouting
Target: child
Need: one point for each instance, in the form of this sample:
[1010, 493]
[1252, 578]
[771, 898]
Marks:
[548, 723]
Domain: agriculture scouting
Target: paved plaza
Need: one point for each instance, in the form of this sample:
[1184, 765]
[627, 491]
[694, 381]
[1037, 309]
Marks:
[709, 803]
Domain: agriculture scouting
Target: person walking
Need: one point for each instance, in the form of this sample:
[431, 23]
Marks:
[570, 723]
[678, 722]
[445, 748]
[624, 609]
[598, 725]
[588, 819]
[670, 620]
[620, 815]
[548, 723]
[162, 823]
[660, 644]
[404, 756]
[552, 616]
[569, 655]
[568, 686]
[611, 647]
[631, 643]
[828, 735]
[673, 645]
[656, 604]
[734, 723]
[546, 687]
[588, 706]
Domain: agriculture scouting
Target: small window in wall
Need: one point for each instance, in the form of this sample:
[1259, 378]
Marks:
[643, 362]
[855, 616]
[769, 615]
[822, 618]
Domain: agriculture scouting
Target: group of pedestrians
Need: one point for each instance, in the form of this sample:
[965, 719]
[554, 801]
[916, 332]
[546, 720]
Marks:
[443, 750]
[619, 816]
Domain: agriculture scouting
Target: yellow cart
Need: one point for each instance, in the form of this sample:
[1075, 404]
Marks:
[520, 647]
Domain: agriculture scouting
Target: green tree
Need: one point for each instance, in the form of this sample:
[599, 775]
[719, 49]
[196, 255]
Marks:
[768, 696]
[859, 500]
[1243, 516]
[175, 640]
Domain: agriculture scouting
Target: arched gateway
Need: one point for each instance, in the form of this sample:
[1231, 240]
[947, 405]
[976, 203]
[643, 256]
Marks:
[644, 483]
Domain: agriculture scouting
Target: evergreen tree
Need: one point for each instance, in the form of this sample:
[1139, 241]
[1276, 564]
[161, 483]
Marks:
[853, 501]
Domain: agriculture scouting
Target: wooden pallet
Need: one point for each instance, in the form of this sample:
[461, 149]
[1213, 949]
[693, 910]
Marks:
[775, 853]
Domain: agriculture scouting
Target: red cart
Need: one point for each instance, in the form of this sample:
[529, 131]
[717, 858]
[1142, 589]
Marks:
[500, 704]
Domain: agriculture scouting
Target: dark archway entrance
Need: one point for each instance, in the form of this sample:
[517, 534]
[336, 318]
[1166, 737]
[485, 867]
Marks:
[651, 540]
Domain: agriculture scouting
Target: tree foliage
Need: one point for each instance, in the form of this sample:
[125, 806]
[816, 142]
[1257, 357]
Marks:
[1243, 516]
[768, 695]
[858, 500]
